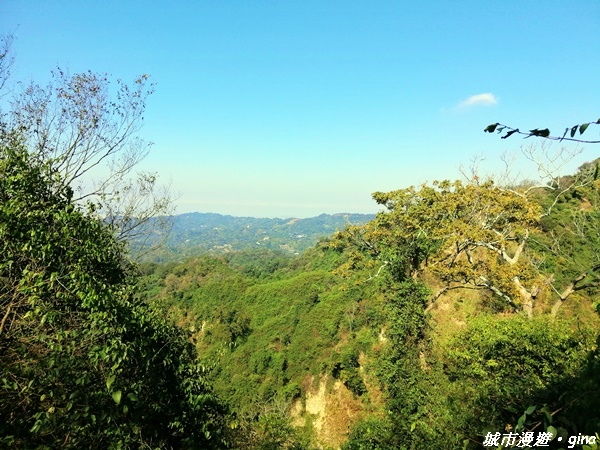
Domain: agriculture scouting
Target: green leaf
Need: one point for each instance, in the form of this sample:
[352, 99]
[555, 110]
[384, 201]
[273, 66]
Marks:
[552, 430]
[574, 130]
[563, 433]
[510, 133]
[117, 397]
[583, 127]
[541, 133]
[530, 410]
[491, 128]
[109, 381]
[547, 415]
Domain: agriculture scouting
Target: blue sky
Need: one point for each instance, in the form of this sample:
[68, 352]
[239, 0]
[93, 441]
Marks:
[296, 108]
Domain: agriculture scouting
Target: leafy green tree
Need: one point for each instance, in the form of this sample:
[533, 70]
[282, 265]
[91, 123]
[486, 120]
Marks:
[469, 236]
[270, 430]
[569, 238]
[82, 363]
[372, 433]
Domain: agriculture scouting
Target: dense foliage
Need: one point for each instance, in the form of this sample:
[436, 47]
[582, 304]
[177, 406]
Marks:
[266, 333]
[504, 360]
[82, 363]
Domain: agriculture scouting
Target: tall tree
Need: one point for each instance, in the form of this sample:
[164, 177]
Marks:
[470, 236]
[85, 126]
[82, 363]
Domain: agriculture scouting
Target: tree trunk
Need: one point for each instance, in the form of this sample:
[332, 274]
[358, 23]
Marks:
[527, 297]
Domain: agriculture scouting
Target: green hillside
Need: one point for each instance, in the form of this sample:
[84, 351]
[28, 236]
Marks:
[462, 311]
[465, 309]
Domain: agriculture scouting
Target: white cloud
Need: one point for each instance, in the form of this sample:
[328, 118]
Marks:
[487, 99]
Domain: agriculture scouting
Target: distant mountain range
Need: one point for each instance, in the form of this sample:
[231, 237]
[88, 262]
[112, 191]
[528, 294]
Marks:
[200, 233]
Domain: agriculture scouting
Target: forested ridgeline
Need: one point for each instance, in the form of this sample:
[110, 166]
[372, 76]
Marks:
[194, 234]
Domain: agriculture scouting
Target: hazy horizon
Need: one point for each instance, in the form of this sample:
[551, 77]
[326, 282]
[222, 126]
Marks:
[292, 109]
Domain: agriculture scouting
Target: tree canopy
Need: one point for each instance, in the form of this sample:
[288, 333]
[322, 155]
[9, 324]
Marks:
[477, 236]
[82, 363]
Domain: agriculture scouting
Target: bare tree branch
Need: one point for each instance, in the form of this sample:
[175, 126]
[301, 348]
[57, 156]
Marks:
[86, 126]
[6, 60]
